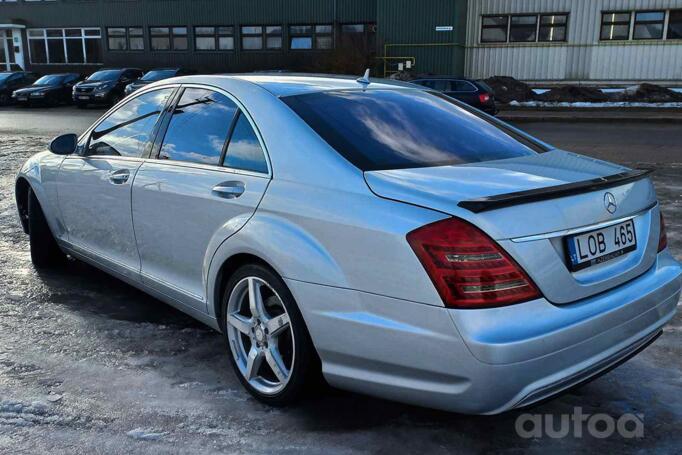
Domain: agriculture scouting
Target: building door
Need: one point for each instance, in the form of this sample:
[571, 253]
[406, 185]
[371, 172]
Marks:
[11, 49]
[7, 49]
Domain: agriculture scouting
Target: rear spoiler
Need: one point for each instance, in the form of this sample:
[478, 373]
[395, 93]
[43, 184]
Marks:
[485, 204]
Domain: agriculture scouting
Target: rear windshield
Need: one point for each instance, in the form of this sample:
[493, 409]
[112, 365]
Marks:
[396, 129]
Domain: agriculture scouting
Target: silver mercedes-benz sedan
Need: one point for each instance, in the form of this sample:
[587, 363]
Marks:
[389, 238]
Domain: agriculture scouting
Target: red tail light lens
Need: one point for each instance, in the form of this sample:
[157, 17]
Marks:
[484, 98]
[663, 236]
[468, 268]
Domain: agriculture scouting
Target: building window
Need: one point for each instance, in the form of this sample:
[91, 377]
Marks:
[214, 38]
[125, 38]
[523, 29]
[649, 25]
[494, 29]
[615, 26]
[6, 43]
[311, 37]
[168, 38]
[553, 27]
[675, 24]
[65, 45]
[357, 38]
[353, 28]
[258, 37]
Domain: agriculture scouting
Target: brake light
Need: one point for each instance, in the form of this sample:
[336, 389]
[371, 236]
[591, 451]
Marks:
[468, 268]
[663, 236]
[484, 97]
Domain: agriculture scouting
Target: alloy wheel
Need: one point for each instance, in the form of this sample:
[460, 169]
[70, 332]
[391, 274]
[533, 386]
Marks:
[260, 335]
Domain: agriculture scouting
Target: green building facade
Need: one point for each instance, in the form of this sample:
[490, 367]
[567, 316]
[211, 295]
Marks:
[340, 36]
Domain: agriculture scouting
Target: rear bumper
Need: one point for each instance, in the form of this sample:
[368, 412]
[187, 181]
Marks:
[482, 361]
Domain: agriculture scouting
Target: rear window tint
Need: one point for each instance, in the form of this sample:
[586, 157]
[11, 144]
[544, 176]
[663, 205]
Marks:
[396, 129]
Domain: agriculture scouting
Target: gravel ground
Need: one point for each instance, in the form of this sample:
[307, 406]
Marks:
[90, 365]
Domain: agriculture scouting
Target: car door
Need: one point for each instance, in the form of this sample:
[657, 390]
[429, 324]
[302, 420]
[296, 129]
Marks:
[210, 174]
[94, 186]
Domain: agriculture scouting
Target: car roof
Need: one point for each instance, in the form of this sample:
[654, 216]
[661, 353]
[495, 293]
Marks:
[301, 83]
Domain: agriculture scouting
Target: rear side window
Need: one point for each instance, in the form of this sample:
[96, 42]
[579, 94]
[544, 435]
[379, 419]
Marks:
[244, 151]
[463, 86]
[199, 127]
[395, 129]
[126, 132]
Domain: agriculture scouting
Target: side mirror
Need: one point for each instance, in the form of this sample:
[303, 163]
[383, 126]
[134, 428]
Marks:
[64, 145]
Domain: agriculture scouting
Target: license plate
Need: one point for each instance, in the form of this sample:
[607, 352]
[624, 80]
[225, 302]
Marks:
[83, 97]
[601, 245]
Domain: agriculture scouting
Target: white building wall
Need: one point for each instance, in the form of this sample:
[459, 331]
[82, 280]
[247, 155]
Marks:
[583, 57]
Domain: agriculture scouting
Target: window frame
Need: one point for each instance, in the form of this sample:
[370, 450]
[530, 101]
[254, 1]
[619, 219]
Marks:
[616, 23]
[313, 37]
[165, 123]
[83, 38]
[553, 26]
[510, 27]
[538, 26]
[171, 36]
[216, 35]
[669, 17]
[84, 145]
[126, 36]
[486, 27]
[635, 23]
[263, 36]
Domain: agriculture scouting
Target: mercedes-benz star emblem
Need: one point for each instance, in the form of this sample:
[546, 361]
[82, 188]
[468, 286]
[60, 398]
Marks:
[610, 203]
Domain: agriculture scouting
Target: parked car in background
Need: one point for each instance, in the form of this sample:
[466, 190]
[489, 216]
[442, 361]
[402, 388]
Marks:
[155, 75]
[52, 90]
[396, 240]
[106, 86]
[475, 93]
[11, 81]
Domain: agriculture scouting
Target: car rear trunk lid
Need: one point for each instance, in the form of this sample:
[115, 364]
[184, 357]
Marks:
[534, 232]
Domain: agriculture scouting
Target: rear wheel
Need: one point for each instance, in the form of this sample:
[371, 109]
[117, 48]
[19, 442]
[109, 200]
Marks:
[4, 99]
[270, 348]
[44, 249]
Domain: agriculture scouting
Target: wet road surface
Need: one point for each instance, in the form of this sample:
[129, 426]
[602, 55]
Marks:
[91, 365]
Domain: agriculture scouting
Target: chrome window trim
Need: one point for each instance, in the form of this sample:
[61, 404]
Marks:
[255, 128]
[123, 102]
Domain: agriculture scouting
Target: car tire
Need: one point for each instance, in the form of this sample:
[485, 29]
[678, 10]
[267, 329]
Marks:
[44, 249]
[295, 348]
[4, 99]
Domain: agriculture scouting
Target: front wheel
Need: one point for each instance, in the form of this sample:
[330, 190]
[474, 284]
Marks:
[270, 348]
[44, 249]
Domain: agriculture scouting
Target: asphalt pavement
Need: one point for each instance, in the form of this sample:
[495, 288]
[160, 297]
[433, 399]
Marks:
[90, 365]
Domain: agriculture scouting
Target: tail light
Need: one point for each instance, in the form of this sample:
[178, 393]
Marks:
[663, 236]
[468, 268]
[483, 98]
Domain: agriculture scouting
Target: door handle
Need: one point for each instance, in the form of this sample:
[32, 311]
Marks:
[229, 190]
[119, 177]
